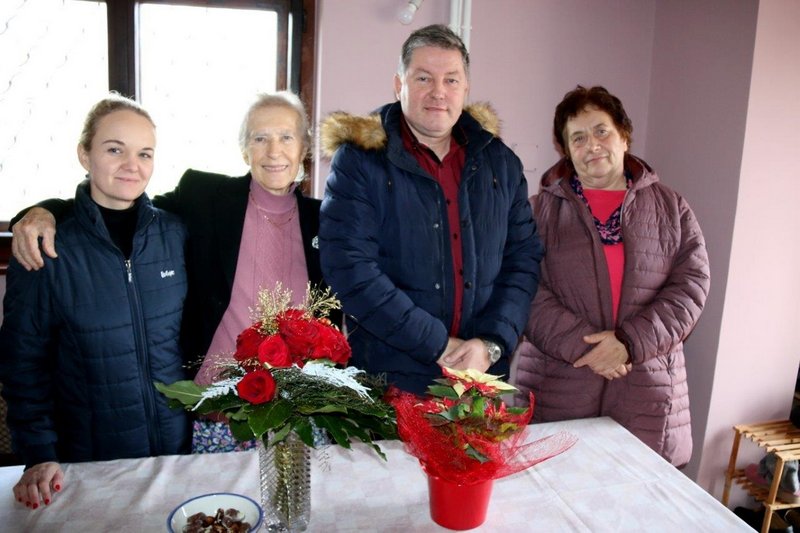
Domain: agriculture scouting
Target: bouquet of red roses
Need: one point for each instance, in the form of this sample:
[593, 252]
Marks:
[284, 378]
[464, 433]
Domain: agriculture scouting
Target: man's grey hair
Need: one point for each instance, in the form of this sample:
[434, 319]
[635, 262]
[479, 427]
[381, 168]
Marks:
[285, 99]
[437, 35]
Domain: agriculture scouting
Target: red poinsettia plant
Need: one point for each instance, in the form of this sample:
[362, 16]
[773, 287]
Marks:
[464, 432]
[285, 378]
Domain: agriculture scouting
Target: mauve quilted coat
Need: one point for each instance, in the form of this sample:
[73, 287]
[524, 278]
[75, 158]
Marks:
[664, 288]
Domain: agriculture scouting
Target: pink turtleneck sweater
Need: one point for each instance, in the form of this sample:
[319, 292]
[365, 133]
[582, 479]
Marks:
[271, 250]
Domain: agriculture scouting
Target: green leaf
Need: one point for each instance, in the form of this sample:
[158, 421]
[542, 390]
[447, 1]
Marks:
[220, 403]
[269, 415]
[475, 454]
[330, 408]
[385, 428]
[187, 392]
[334, 427]
[241, 430]
[378, 450]
[304, 431]
[172, 403]
[280, 433]
[508, 427]
[456, 413]
[241, 414]
[352, 428]
[478, 407]
[443, 391]
[376, 409]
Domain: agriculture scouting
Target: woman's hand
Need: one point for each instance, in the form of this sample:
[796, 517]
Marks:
[608, 358]
[37, 482]
[37, 222]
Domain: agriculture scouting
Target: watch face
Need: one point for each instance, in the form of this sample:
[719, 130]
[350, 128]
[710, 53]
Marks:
[494, 351]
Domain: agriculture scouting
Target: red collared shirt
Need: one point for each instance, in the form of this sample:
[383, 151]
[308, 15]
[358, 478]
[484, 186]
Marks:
[447, 173]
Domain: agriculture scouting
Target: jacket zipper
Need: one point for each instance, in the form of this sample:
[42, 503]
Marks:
[622, 285]
[625, 251]
[142, 358]
[442, 243]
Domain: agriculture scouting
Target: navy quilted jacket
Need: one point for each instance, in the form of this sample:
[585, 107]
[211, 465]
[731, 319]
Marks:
[385, 247]
[84, 338]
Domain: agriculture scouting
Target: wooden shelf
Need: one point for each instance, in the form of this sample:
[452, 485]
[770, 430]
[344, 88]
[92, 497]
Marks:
[780, 437]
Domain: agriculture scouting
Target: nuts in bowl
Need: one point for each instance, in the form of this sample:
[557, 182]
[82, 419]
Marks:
[222, 512]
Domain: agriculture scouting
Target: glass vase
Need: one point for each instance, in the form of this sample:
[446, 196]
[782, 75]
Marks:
[285, 472]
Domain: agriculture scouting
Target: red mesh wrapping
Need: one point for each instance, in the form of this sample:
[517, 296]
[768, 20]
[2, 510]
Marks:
[441, 449]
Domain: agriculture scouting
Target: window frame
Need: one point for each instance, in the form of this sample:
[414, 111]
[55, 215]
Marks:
[122, 21]
[123, 60]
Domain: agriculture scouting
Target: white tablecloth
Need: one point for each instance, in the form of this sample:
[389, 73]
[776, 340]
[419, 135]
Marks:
[609, 481]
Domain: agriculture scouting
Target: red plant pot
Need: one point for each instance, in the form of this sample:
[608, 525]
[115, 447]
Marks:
[457, 506]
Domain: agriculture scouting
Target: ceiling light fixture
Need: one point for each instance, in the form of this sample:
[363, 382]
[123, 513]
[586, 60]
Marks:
[406, 14]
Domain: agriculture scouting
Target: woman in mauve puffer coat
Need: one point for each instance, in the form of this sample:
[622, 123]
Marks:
[624, 280]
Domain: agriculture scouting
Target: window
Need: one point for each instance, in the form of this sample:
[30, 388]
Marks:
[195, 65]
[53, 66]
[198, 90]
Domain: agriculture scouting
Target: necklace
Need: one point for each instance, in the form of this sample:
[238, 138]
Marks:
[278, 221]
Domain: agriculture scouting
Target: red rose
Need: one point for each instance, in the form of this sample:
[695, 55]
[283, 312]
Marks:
[291, 314]
[300, 334]
[274, 352]
[332, 345]
[257, 387]
[247, 343]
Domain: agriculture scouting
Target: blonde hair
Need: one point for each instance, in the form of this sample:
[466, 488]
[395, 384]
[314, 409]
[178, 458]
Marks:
[111, 103]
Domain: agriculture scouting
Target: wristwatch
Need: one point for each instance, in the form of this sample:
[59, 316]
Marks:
[494, 351]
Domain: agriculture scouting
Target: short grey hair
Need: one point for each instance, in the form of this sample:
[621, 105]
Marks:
[285, 99]
[437, 35]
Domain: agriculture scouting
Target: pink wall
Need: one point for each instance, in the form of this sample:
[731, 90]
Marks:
[698, 109]
[358, 43]
[523, 60]
[527, 54]
[759, 338]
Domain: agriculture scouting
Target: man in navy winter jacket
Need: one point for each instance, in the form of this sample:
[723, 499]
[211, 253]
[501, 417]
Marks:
[426, 234]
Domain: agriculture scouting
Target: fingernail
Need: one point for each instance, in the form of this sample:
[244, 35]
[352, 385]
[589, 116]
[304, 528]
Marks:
[35, 505]
[47, 501]
[19, 500]
[27, 504]
[57, 487]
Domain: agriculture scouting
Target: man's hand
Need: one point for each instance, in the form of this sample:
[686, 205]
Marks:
[467, 354]
[37, 482]
[37, 222]
[447, 359]
[608, 358]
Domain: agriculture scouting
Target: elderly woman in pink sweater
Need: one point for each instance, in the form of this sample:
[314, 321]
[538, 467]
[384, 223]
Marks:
[624, 280]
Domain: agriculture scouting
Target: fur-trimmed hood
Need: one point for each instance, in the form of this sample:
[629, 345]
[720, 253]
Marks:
[367, 132]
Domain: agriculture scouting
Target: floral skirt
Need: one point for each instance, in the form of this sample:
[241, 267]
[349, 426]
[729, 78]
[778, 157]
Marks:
[209, 436]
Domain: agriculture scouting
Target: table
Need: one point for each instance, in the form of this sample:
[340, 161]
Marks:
[608, 481]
